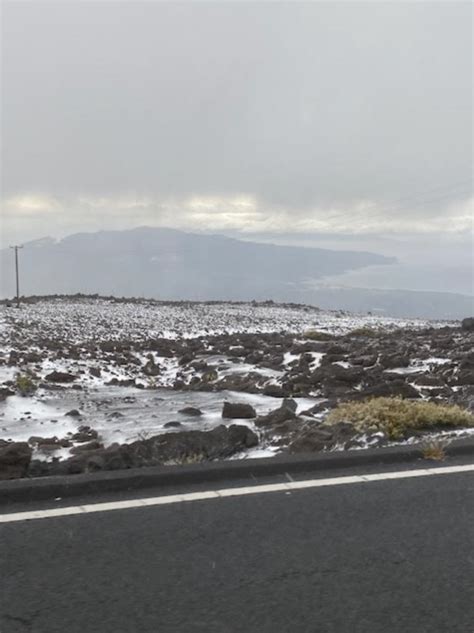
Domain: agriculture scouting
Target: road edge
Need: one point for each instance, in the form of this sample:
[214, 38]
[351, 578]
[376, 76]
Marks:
[50, 488]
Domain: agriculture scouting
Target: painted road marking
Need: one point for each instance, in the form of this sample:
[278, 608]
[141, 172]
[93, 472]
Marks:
[231, 492]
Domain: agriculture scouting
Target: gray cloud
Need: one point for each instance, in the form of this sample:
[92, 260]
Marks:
[359, 110]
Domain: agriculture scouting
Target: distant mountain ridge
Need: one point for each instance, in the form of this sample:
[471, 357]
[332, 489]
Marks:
[170, 264]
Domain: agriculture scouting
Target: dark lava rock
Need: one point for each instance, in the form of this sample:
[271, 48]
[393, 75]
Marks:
[180, 447]
[73, 413]
[275, 391]
[467, 361]
[51, 386]
[237, 351]
[390, 389]
[5, 392]
[428, 380]
[349, 375]
[85, 434]
[49, 443]
[151, 368]
[89, 446]
[185, 359]
[465, 377]
[320, 407]
[390, 361]
[172, 425]
[107, 346]
[238, 410]
[365, 361]
[95, 371]
[60, 376]
[250, 383]
[290, 404]
[321, 437]
[13, 358]
[277, 416]
[468, 324]
[15, 458]
[126, 382]
[199, 365]
[33, 357]
[218, 443]
[191, 411]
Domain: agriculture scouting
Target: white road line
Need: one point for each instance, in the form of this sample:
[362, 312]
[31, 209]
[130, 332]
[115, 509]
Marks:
[231, 492]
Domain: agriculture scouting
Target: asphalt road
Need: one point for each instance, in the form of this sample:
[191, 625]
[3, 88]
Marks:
[381, 557]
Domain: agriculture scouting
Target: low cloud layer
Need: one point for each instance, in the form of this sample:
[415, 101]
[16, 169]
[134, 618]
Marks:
[28, 215]
[248, 117]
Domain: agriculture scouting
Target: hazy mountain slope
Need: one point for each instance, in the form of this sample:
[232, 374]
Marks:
[170, 264]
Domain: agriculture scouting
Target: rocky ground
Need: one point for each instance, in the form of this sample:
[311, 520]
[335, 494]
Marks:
[179, 383]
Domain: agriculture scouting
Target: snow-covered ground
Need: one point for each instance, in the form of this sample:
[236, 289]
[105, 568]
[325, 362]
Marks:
[90, 320]
[123, 414]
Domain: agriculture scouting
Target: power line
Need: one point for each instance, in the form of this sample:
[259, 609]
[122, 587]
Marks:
[17, 274]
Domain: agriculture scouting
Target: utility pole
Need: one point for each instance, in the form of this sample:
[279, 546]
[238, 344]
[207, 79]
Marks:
[17, 275]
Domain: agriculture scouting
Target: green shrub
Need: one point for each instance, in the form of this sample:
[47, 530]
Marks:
[25, 385]
[209, 376]
[316, 335]
[396, 417]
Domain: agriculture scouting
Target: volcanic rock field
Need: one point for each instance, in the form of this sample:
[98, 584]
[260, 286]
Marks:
[90, 383]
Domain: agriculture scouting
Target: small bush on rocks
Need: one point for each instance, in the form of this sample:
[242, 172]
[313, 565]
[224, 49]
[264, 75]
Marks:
[25, 385]
[397, 417]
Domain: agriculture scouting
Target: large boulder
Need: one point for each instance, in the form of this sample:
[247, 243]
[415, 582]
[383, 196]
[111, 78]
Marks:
[151, 368]
[238, 410]
[392, 361]
[348, 375]
[322, 437]
[218, 443]
[170, 448]
[468, 324]
[428, 380]
[464, 377]
[287, 411]
[5, 392]
[390, 389]
[15, 458]
[60, 376]
[84, 434]
[275, 391]
[191, 411]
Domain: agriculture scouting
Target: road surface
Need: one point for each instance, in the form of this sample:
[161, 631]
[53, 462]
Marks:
[388, 556]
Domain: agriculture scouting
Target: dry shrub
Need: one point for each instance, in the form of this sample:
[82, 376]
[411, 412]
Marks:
[434, 450]
[397, 417]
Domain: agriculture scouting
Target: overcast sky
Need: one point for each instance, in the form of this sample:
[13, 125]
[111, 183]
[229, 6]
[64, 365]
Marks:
[337, 117]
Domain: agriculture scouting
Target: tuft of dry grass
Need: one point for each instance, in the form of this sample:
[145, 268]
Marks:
[434, 450]
[397, 417]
